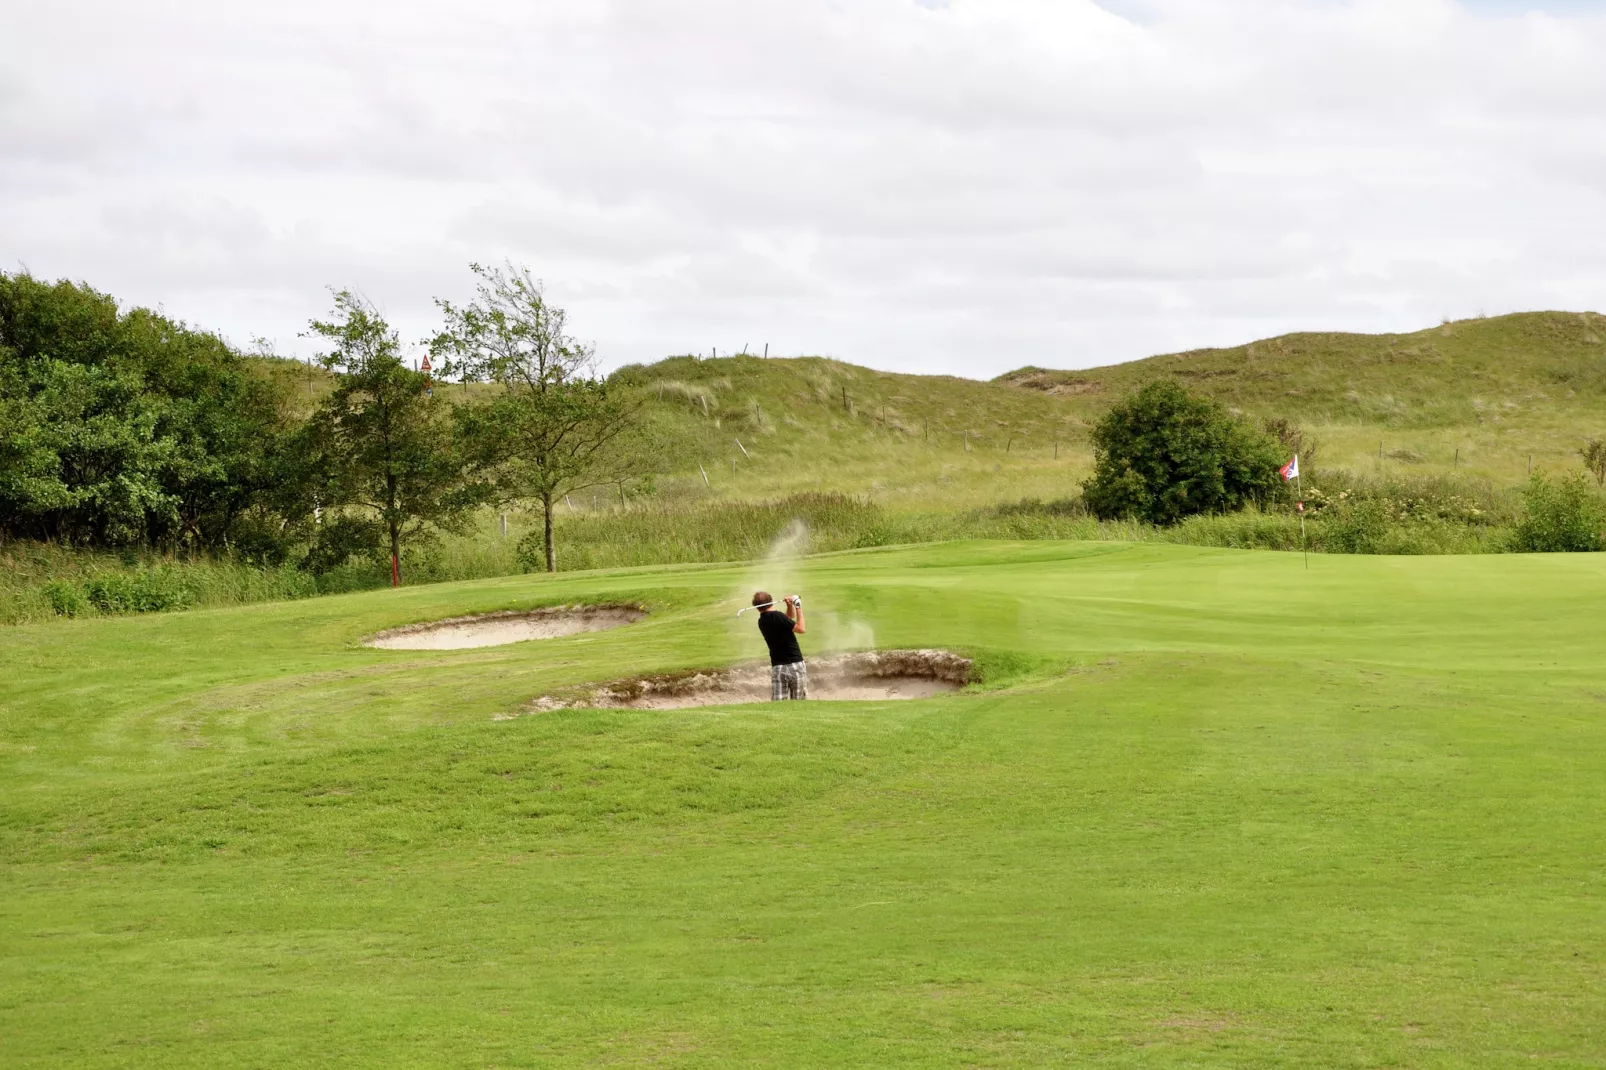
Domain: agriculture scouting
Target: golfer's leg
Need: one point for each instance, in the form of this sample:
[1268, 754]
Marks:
[777, 683]
[800, 680]
[789, 681]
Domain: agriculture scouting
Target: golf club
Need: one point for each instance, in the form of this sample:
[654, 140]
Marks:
[797, 599]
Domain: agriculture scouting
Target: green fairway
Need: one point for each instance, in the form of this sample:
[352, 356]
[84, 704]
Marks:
[1205, 808]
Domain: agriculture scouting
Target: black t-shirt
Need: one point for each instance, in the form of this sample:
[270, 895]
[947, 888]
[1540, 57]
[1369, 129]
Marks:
[778, 633]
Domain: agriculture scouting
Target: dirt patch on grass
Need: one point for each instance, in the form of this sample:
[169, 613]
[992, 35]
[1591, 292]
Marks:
[870, 676]
[513, 626]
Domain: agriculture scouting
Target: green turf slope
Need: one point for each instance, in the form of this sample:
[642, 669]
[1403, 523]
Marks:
[1208, 809]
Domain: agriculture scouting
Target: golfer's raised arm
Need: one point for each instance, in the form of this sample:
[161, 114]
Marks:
[794, 609]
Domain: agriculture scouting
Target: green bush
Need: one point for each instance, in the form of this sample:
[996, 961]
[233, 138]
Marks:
[1249, 529]
[120, 427]
[145, 591]
[1357, 527]
[340, 540]
[1559, 516]
[65, 597]
[1406, 514]
[1164, 453]
[264, 540]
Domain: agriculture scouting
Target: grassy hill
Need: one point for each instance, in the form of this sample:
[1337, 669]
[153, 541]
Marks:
[1495, 389]
[1475, 398]
[1178, 824]
[764, 428]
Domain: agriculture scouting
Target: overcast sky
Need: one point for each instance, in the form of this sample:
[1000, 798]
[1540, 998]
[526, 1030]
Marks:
[948, 185]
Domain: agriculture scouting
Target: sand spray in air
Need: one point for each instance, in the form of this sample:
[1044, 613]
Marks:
[780, 572]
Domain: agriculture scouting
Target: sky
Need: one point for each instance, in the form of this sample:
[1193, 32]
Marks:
[955, 186]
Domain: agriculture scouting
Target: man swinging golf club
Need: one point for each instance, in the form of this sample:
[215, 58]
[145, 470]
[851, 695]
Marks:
[789, 677]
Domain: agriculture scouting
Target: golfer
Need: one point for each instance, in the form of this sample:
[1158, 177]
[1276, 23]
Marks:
[789, 677]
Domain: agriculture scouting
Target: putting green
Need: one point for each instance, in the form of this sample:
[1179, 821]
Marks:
[1207, 808]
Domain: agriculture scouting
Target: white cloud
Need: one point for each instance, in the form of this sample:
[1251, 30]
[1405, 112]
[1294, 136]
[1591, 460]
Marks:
[958, 186]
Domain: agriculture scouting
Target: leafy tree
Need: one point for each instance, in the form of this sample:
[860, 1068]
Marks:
[553, 427]
[121, 428]
[228, 422]
[378, 442]
[89, 459]
[1164, 453]
[1594, 454]
[1559, 516]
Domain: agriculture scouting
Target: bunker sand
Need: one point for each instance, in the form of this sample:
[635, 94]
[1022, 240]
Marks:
[499, 629]
[869, 676]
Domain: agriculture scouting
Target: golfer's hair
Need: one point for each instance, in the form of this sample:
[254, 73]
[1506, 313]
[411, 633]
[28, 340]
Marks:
[760, 597]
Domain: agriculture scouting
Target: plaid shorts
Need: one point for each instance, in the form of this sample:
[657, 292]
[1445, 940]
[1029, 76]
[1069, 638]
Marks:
[789, 681]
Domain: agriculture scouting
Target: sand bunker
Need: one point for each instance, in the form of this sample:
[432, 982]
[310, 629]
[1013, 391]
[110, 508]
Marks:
[515, 626]
[874, 675]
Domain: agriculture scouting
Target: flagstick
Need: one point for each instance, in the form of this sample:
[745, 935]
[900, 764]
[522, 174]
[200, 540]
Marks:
[1299, 488]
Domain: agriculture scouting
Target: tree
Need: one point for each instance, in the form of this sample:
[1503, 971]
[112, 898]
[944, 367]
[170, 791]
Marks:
[1164, 453]
[380, 442]
[1594, 454]
[121, 428]
[553, 427]
[1560, 516]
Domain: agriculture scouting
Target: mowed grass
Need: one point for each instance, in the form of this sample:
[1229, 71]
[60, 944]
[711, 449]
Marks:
[1207, 808]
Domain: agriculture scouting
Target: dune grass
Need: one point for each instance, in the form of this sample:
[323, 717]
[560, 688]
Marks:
[1482, 397]
[1486, 398]
[1206, 808]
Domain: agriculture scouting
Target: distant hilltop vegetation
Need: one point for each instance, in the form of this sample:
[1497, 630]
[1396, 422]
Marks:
[1494, 397]
[1459, 372]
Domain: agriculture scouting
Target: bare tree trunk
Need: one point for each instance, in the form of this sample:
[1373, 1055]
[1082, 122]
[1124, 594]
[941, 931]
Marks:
[546, 529]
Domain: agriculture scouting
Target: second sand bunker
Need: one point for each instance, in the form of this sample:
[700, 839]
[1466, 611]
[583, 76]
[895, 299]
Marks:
[498, 629]
[868, 676]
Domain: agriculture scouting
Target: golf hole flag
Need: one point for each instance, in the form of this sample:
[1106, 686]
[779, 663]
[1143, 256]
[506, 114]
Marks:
[1290, 470]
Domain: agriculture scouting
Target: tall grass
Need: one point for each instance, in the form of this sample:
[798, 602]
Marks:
[1348, 514]
[656, 534]
[738, 531]
[40, 580]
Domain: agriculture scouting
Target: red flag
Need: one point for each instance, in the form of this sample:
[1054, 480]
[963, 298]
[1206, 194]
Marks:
[1290, 470]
